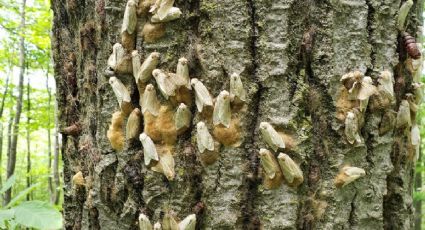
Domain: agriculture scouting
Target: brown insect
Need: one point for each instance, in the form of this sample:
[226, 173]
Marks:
[411, 46]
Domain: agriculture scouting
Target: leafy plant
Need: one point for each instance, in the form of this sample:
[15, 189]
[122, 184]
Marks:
[30, 214]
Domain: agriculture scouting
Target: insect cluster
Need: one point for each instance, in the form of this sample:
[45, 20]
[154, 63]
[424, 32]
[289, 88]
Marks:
[276, 170]
[169, 222]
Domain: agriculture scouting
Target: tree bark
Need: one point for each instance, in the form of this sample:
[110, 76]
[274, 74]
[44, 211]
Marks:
[49, 142]
[1, 124]
[29, 195]
[292, 82]
[11, 161]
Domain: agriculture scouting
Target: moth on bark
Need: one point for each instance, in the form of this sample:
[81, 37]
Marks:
[386, 86]
[203, 138]
[115, 132]
[402, 14]
[149, 149]
[237, 90]
[222, 113]
[122, 94]
[202, 95]
[188, 223]
[271, 136]
[403, 116]
[150, 102]
[182, 118]
[144, 73]
[347, 175]
[169, 223]
[418, 88]
[134, 123]
[173, 14]
[182, 72]
[415, 136]
[290, 170]
[130, 17]
[352, 128]
[136, 63]
[118, 61]
[272, 175]
[164, 82]
[144, 223]
[157, 226]
[358, 86]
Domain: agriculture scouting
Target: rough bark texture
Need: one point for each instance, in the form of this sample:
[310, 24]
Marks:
[295, 87]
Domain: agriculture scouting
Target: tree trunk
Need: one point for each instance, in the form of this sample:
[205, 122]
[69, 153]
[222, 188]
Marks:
[418, 188]
[11, 161]
[9, 140]
[29, 195]
[290, 56]
[49, 142]
[1, 124]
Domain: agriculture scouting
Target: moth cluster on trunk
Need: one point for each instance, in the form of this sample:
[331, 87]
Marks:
[164, 112]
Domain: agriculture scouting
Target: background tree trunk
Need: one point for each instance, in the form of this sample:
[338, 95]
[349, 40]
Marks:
[11, 161]
[3, 99]
[294, 87]
[29, 195]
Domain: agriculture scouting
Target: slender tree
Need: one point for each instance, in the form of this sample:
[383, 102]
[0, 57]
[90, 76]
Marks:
[290, 56]
[1, 123]
[11, 162]
[28, 177]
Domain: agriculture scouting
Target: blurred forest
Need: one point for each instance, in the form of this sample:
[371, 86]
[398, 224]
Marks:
[29, 141]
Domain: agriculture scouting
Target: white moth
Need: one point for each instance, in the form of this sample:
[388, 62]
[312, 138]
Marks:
[133, 128]
[348, 175]
[130, 17]
[182, 117]
[182, 72]
[418, 88]
[416, 139]
[291, 171]
[237, 90]
[166, 86]
[222, 114]
[352, 128]
[157, 226]
[117, 56]
[163, 8]
[367, 90]
[169, 223]
[403, 115]
[412, 102]
[271, 136]
[402, 14]
[361, 87]
[149, 149]
[120, 90]
[268, 162]
[386, 85]
[189, 223]
[166, 166]
[203, 138]
[415, 135]
[150, 102]
[144, 223]
[176, 80]
[202, 95]
[136, 61]
[145, 71]
[172, 14]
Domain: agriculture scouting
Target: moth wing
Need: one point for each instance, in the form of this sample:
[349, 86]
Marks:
[275, 138]
[415, 135]
[268, 165]
[189, 223]
[144, 222]
[149, 150]
[204, 94]
[182, 118]
[136, 64]
[222, 114]
[366, 90]
[169, 223]
[164, 8]
[130, 17]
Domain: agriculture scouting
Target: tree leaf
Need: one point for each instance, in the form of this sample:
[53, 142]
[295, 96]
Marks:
[21, 195]
[6, 216]
[8, 184]
[38, 214]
